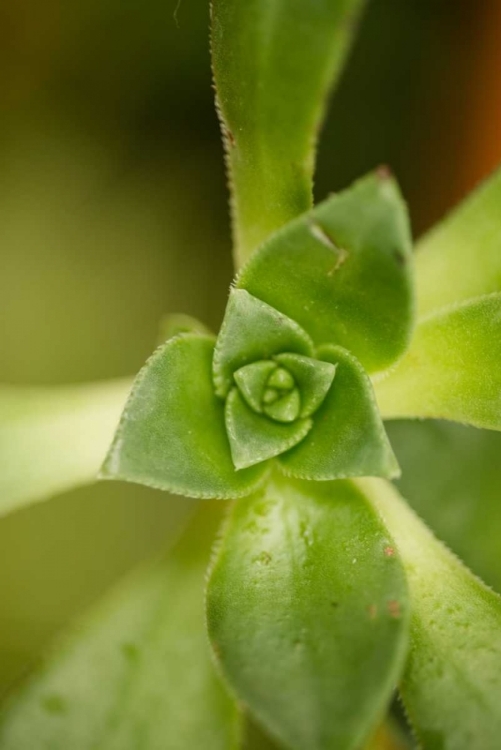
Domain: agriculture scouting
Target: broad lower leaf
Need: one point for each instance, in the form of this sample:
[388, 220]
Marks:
[253, 331]
[255, 438]
[172, 434]
[453, 368]
[307, 612]
[460, 258]
[274, 62]
[343, 272]
[452, 683]
[137, 673]
[54, 439]
[347, 438]
[458, 494]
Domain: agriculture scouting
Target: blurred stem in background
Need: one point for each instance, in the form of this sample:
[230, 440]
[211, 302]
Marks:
[113, 211]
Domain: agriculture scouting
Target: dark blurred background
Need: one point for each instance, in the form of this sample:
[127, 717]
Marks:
[113, 211]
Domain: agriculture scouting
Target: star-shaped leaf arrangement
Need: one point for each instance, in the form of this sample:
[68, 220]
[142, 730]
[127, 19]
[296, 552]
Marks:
[285, 381]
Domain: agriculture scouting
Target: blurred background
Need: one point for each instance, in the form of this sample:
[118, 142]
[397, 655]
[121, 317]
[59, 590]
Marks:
[113, 211]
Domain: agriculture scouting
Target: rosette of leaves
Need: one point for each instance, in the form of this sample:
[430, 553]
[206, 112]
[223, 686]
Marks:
[325, 591]
[286, 381]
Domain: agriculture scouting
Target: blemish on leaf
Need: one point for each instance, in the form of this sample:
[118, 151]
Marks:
[334, 605]
[264, 558]
[394, 608]
[399, 257]
[389, 551]
[230, 138]
[372, 609]
[384, 172]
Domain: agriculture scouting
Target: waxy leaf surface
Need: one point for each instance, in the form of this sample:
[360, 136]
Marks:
[347, 438]
[460, 258]
[453, 368]
[307, 612]
[137, 673]
[172, 434]
[343, 272]
[54, 439]
[452, 682]
[253, 331]
[274, 63]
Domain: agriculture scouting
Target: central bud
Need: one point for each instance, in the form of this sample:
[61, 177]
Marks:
[270, 388]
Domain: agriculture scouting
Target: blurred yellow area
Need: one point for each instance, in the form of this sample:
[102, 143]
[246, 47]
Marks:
[113, 211]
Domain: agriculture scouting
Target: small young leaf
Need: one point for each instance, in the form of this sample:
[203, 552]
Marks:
[137, 673]
[253, 331]
[307, 612]
[313, 377]
[252, 380]
[453, 368]
[343, 272]
[254, 437]
[460, 258]
[273, 65]
[452, 682]
[54, 439]
[347, 438]
[172, 434]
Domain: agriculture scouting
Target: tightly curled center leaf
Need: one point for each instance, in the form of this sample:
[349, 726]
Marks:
[286, 387]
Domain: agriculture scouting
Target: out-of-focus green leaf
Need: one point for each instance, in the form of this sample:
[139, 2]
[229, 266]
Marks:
[347, 438]
[460, 258]
[137, 673]
[452, 682]
[343, 271]
[172, 434]
[451, 474]
[54, 439]
[274, 62]
[307, 612]
[452, 369]
[175, 323]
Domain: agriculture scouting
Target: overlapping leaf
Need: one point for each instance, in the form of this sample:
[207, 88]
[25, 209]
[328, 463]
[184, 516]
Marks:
[343, 272]
[460, 258]
[172, 433]
[138, 673]
[273, 64]
[452, 682]
[458, 492]
[54, 439]
[307, 612]
[452, 370]
[347, 437]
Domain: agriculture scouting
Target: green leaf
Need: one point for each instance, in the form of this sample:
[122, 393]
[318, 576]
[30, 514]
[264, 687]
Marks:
[255, 438]
[343, 272]
[172, 434]
[453, 368]
[460, 258]
[452, 682]
[137, 673]
[307, 612]
[458, 494]
[252, 380]
[347, 438]
[54, 439]
[313, 377]
[274, 63]
[253, 331]
[175, 323]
